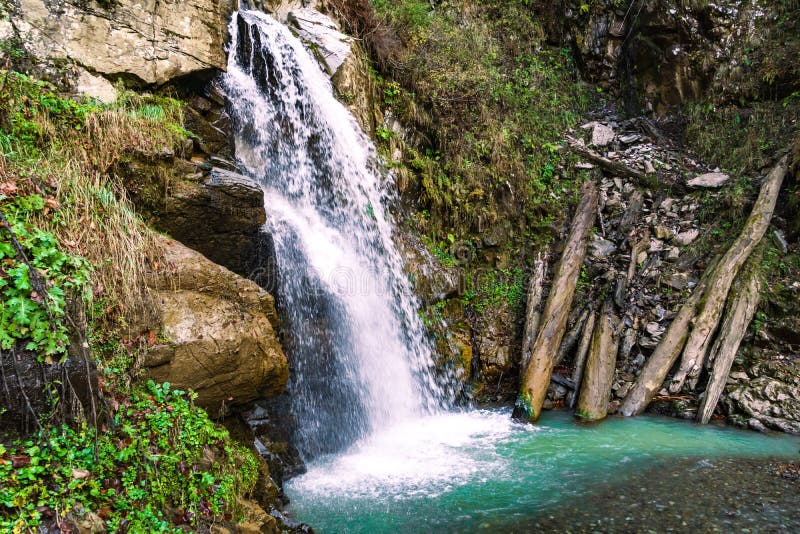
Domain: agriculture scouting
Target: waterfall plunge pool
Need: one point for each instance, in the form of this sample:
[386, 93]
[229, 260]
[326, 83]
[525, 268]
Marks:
[480, 470]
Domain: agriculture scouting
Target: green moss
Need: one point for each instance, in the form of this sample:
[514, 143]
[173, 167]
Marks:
[479, 82]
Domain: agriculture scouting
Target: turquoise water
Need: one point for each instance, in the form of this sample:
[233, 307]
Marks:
[460, 472]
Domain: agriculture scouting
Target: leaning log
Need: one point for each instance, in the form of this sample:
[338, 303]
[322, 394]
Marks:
[532, 313]
[580, 356]
[742, 304]
[659, 363]
[707, 320]
[536, 376]
[595, 389]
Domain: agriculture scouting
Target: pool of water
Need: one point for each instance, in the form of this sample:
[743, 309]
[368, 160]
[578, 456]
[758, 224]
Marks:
[464, 471]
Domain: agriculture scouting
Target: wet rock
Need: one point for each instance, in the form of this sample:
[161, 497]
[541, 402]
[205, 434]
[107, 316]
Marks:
[601, 248]
[221, 217]
[687, 237]
[330, 45]
[709, 180]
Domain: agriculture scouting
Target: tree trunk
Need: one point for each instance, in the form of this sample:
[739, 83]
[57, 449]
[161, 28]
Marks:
[536, 376]
[595, 390]
[532, 313]
[659, 363]
[742, 304]
[580, 357]
[720, 283]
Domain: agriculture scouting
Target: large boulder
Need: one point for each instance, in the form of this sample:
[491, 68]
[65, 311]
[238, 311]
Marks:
[221, 217]
[141, 42]
[218, 331]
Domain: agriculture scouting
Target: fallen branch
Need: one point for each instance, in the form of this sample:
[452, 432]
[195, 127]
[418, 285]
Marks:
[580, 357]
[705, 324]
[571, 338]
[536, 375]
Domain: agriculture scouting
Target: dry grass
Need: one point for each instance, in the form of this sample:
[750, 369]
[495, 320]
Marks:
[93, 216]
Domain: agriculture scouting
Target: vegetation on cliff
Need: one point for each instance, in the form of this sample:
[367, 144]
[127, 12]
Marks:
[74, 257]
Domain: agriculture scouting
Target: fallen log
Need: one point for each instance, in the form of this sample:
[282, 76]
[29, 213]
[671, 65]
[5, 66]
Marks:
[613, 167]
[595, 389]
[571, 337]
[580, 356]
[742, 304]
[563, 381]
[707, 320]
[659, 363]
[632, 213]
[536, 375]
[532, 313]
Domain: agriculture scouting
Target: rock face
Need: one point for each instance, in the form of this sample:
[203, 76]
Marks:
[660, 54]
[144, 42]
[26, 380]
[331, 46]
[219, 333]
[769, 400]
[220, 217]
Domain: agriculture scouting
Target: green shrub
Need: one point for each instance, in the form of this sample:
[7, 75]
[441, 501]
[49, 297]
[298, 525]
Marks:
[36, 279]
[164, 464]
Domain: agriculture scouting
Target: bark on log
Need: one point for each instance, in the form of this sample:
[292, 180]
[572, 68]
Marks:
[536, 376]
[742, 304]
[571, 338]
[719, 285]
[659, 363]
[532, 313]
[580, 356]
[595, 390]
[632, 214]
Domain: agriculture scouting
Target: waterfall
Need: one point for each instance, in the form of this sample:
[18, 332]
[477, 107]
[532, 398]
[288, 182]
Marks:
[356, 346]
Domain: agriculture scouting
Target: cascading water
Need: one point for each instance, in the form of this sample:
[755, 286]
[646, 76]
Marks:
[359, 355]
